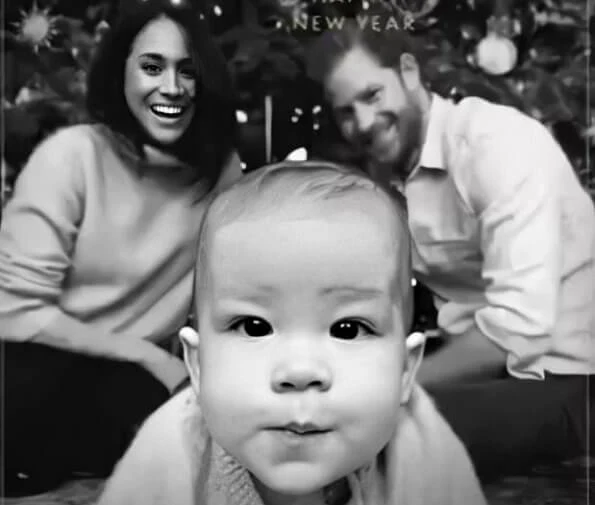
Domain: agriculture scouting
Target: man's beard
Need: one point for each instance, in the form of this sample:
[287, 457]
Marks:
[410, 132]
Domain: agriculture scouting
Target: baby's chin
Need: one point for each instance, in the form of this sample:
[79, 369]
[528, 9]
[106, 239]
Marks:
[297, 479]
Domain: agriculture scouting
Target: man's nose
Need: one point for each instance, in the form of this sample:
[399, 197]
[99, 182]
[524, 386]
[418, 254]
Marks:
[364, 118]
[170, 84]
[300, 372]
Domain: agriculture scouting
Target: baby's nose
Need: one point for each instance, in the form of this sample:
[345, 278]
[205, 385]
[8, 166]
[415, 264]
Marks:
[300, 374]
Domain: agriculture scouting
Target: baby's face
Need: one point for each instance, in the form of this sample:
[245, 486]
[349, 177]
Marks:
[301, 345]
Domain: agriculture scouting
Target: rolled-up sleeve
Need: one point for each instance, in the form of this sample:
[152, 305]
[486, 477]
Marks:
[520, 238]
[38, 234]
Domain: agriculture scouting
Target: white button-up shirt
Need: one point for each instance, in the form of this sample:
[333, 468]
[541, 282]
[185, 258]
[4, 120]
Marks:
[504, 235]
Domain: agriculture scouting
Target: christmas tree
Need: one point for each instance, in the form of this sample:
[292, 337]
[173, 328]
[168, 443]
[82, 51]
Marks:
[531, 54]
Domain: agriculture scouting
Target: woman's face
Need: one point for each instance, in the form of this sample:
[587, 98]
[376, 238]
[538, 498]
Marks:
[160, 81]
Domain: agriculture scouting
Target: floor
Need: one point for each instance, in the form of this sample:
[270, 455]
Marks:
[569, 483]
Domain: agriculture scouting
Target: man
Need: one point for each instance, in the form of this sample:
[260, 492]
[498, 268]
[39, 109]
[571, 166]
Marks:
[503, 235]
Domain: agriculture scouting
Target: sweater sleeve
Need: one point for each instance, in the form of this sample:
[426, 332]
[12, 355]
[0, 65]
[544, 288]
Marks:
[157, 468]
[37, 238]
[428, 464]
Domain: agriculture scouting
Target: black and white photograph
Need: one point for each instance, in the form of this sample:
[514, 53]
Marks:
[297, 252]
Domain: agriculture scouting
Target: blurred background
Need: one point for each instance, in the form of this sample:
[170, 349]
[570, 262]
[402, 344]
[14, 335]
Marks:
[531, 54]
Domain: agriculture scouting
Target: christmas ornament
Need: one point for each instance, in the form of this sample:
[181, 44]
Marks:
[37, 27]
[497, 54]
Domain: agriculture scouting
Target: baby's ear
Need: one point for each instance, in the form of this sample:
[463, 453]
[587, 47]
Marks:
[414, 344]
[190, 341]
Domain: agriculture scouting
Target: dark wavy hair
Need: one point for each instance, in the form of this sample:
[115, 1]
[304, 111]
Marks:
[211, 136]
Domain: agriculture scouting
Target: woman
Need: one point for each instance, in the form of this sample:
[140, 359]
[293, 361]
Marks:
[97, 246]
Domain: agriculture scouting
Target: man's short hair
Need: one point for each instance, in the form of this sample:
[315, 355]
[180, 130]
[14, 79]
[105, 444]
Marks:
[290, 184]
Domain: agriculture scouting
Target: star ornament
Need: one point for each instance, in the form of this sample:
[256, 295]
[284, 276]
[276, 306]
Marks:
[37, 27]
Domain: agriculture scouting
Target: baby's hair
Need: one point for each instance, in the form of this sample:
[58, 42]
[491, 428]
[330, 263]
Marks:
[289, 184]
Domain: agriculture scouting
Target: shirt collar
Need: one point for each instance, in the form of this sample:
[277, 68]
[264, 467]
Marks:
[432, 152]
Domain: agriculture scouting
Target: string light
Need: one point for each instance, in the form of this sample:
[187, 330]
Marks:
[315, 112]
[217, 10]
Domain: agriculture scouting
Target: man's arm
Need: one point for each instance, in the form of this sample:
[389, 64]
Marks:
[510, 184]
[462, 358]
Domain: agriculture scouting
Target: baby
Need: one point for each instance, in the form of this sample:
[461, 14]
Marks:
[303, 376]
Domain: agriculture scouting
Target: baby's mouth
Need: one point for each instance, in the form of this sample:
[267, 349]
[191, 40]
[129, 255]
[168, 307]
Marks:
[167, 111]
[303, 429]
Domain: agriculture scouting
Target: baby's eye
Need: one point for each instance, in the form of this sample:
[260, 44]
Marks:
[253, 327]
[350, 329]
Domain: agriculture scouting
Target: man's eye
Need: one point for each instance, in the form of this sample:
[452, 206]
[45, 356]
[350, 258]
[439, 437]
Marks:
[372, 95]
[253, 327]
[350, 329]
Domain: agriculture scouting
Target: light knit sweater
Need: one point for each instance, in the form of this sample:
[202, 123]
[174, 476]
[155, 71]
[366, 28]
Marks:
[96, 257]
[174, 461]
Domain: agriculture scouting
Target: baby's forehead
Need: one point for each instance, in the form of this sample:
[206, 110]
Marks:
[270, 207]
[367, 216]
[353, 234]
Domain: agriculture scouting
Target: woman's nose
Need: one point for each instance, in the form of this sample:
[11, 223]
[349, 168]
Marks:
[170, 85]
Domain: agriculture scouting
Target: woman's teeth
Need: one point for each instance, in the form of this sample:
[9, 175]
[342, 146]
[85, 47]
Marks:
[169, 111]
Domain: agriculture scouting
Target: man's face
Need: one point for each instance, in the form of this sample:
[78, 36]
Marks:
[374, 109]
[301, 346]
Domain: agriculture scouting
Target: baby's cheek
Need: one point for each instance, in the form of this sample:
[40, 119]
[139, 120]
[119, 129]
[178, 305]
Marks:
[221, 406]
[375, 390]
[227, 388]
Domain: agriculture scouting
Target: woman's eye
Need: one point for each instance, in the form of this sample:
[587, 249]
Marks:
[151, 68]
[350, 329]
[188, 73]
[253, 327]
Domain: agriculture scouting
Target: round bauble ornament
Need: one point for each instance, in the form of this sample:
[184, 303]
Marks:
[496, 55]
